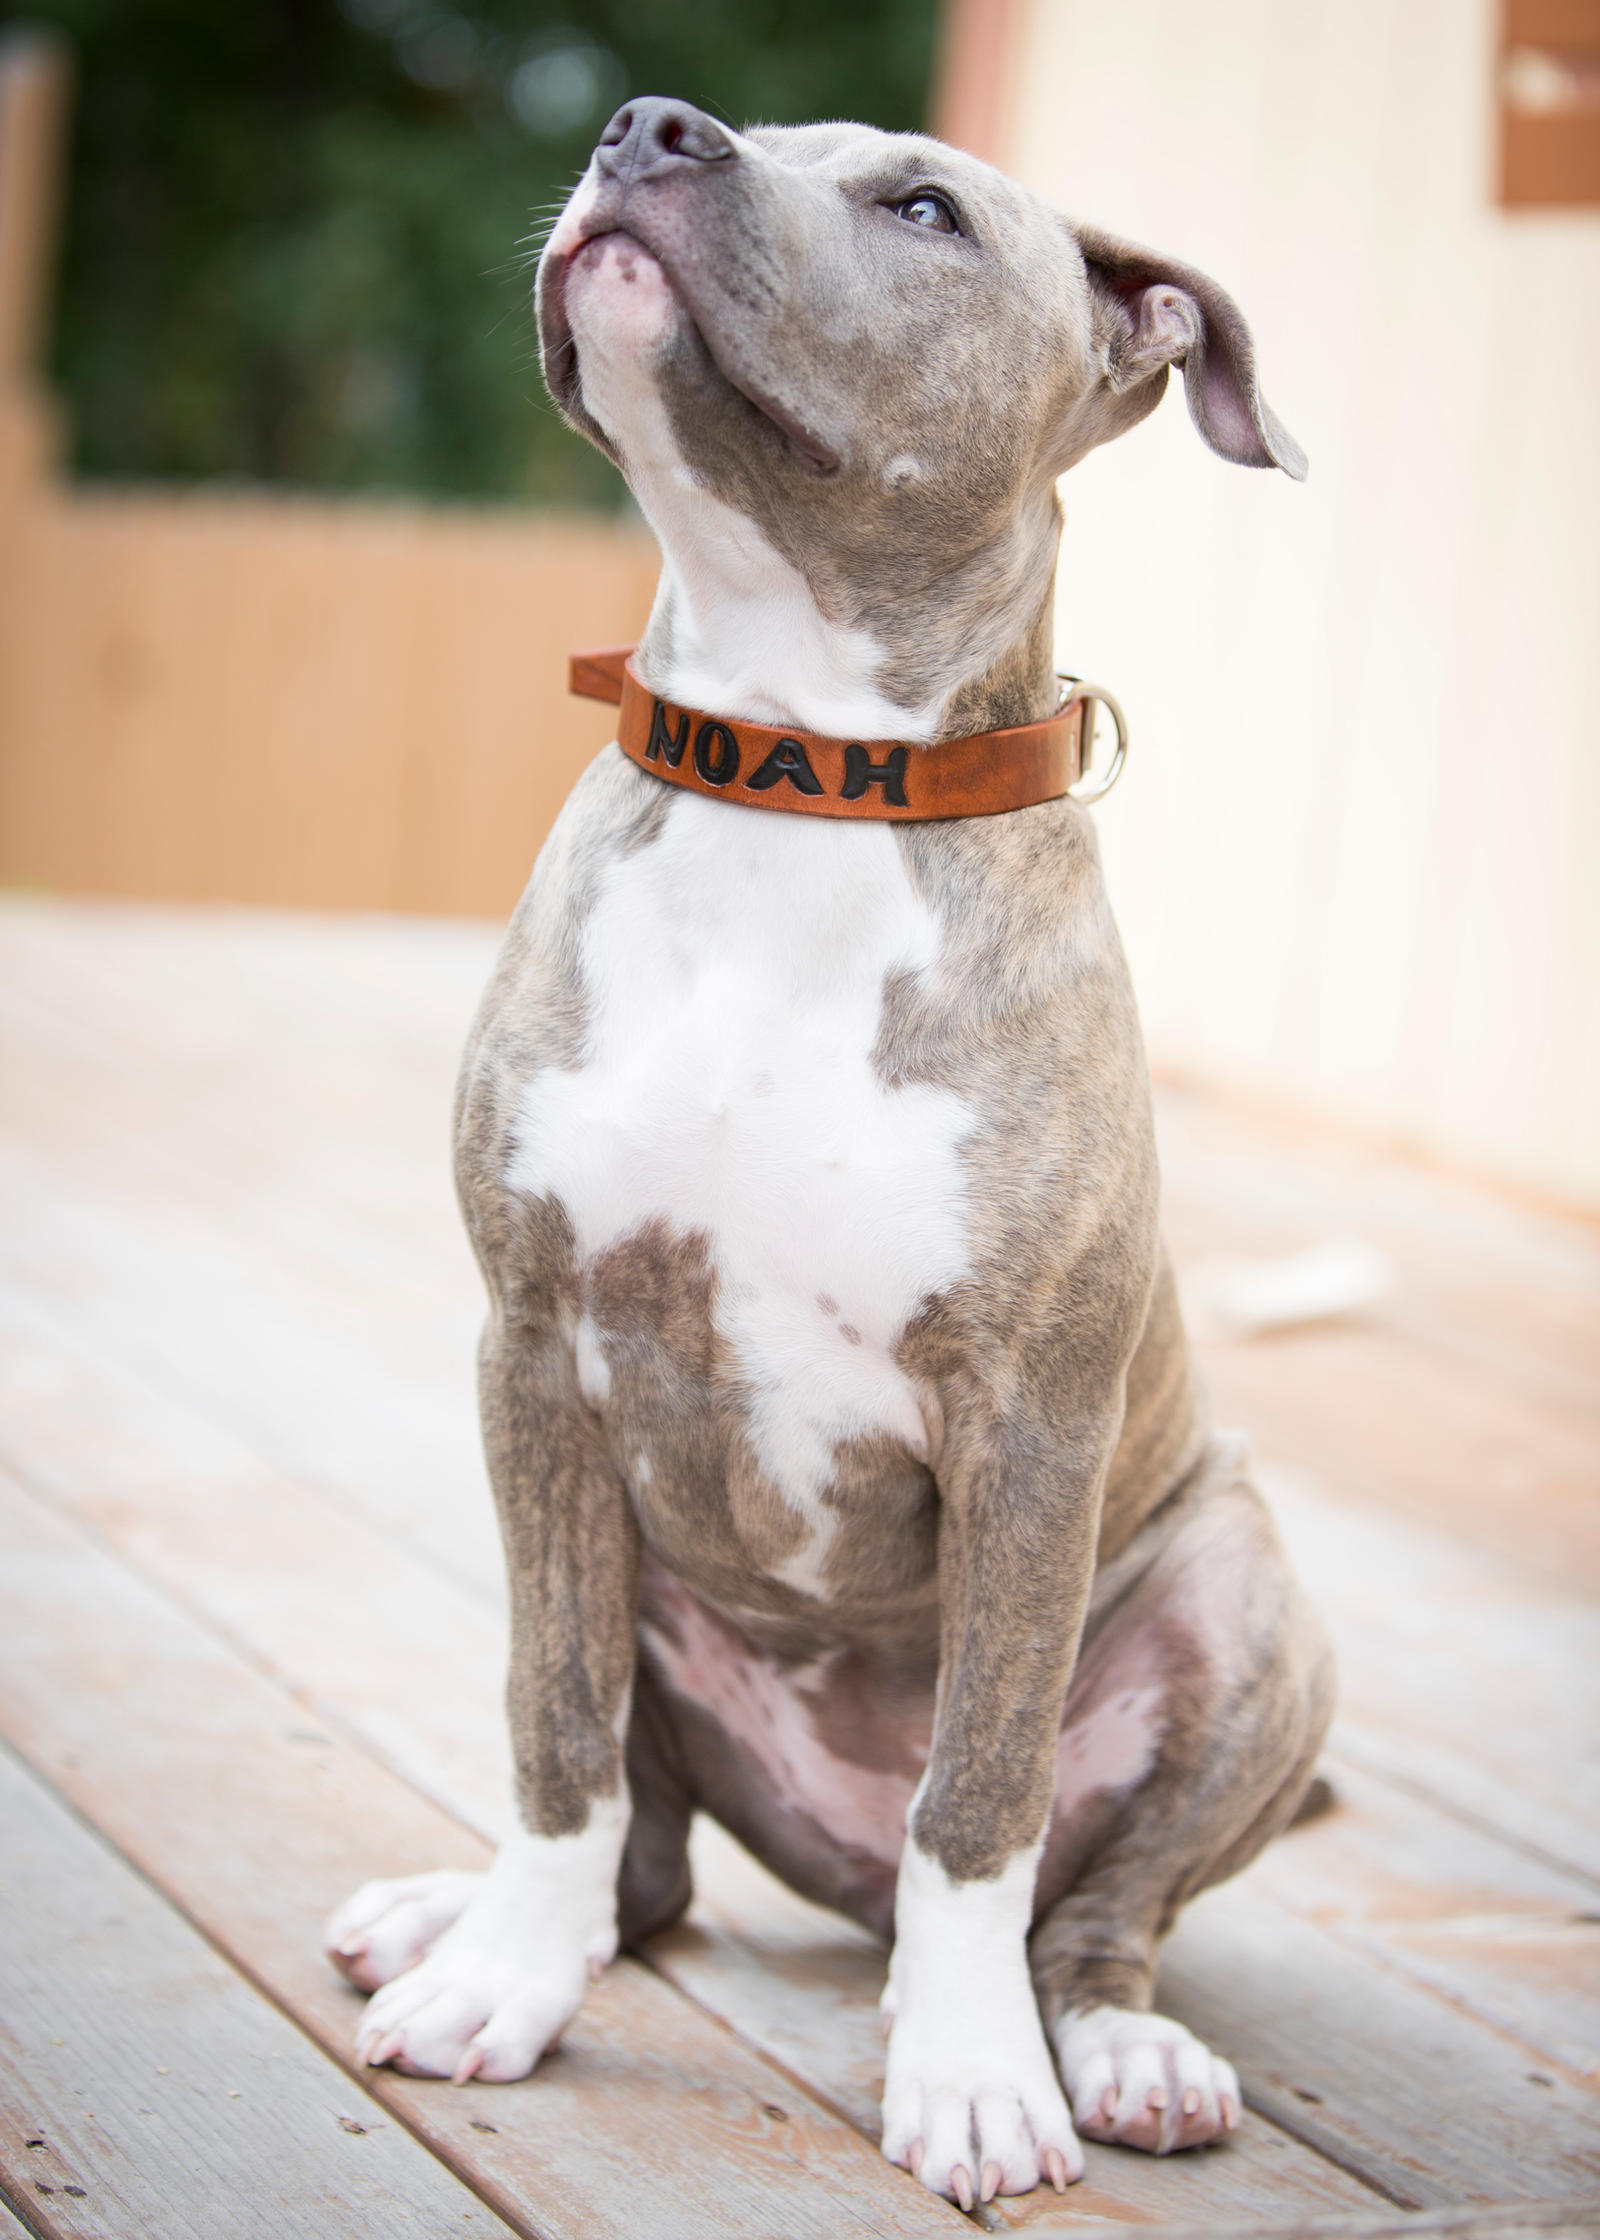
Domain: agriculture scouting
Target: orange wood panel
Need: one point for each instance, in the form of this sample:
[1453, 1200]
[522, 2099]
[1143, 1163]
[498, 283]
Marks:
[1550, 104]
[1550, 163]
[972, 76]
[291, 701]
[1552, 23]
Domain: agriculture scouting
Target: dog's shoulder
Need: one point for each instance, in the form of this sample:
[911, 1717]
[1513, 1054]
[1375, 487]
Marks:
[1031, 994]
[1030, 1019]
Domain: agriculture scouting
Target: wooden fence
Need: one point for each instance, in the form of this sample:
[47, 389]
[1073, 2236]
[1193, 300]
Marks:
[263, 699]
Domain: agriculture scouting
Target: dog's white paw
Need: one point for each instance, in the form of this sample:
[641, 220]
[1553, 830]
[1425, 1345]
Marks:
[1138, 2080]
[386, 1927]
[971, 2102]
[496, 1987]
[974, 2110]
[482, 2004]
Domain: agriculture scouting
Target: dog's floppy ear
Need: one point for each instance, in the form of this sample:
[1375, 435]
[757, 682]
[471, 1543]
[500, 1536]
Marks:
[1152, 313]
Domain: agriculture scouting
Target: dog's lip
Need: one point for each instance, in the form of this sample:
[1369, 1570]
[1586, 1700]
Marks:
[803, 441]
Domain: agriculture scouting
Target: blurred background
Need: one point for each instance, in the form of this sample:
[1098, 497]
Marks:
[292, 545]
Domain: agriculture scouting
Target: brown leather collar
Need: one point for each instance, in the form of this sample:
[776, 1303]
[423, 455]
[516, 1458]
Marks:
[886, 779]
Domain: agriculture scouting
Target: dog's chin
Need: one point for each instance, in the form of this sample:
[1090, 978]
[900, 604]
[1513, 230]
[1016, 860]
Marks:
[613, 302]
[616, 300]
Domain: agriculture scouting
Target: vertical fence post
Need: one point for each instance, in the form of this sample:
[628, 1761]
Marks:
[971, 88]
[34, 76]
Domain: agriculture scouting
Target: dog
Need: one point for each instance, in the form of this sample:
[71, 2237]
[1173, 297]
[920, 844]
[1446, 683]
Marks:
[854, 1483]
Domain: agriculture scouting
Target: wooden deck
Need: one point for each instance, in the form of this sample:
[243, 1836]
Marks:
[250, 1651]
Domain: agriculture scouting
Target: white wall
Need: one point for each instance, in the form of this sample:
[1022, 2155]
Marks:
[1355, 853]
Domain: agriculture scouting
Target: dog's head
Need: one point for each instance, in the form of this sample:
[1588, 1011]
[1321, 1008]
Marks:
[877, 349]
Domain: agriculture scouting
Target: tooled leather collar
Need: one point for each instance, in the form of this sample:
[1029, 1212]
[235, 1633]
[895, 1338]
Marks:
[887, 780]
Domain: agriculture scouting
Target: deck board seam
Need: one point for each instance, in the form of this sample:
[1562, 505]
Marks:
[1380, 1767]
[366, 2081]
[167, 1381]
[304, 1696]
[13, 2204]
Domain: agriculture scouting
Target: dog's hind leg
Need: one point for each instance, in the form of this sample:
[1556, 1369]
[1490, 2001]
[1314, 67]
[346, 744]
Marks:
[654, 1886]
[1201, 1696]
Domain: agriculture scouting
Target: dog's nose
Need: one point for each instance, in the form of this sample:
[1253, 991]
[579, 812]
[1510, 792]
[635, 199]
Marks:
[648, 137]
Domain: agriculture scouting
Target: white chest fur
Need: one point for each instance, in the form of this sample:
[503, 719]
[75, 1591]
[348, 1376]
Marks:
[734, 973]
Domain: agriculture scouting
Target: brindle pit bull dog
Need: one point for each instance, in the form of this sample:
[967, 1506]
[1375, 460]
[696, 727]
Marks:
[854, 1484]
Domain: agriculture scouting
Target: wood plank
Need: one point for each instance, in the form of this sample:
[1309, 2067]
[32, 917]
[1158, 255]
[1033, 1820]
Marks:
[281, 699]
[1496, 1930]
[288, 1257]
[1503, 1285]
[1372, 2070]
[651, 2120]
[1528, 2221]
[1473, 1685]
[1469, 1397]
[312, 1327]
[266, 1560]
[299, 1068]
[261, 1349]
[146, 2088]
[10, 2229]
[1385, 1419]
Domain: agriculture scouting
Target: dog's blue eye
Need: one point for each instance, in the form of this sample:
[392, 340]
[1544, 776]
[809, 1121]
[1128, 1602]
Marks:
[929, 210]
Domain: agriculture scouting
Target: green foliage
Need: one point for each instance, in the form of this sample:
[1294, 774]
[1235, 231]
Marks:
[298, 232]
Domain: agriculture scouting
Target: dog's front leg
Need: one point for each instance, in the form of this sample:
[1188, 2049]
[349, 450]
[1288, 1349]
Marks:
[972, 2103]
[505, 1978]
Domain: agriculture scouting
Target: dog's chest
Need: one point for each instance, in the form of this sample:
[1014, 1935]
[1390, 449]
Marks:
[734, 972]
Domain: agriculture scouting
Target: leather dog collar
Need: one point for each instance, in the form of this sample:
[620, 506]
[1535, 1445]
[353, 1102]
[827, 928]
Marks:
[881, 779]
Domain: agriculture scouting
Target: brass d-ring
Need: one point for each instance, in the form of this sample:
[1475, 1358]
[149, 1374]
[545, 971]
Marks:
[1089, 694]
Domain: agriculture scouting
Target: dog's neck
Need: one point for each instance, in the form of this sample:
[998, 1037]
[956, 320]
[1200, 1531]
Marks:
[736, 629]
[740, 630]
[887, 641]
